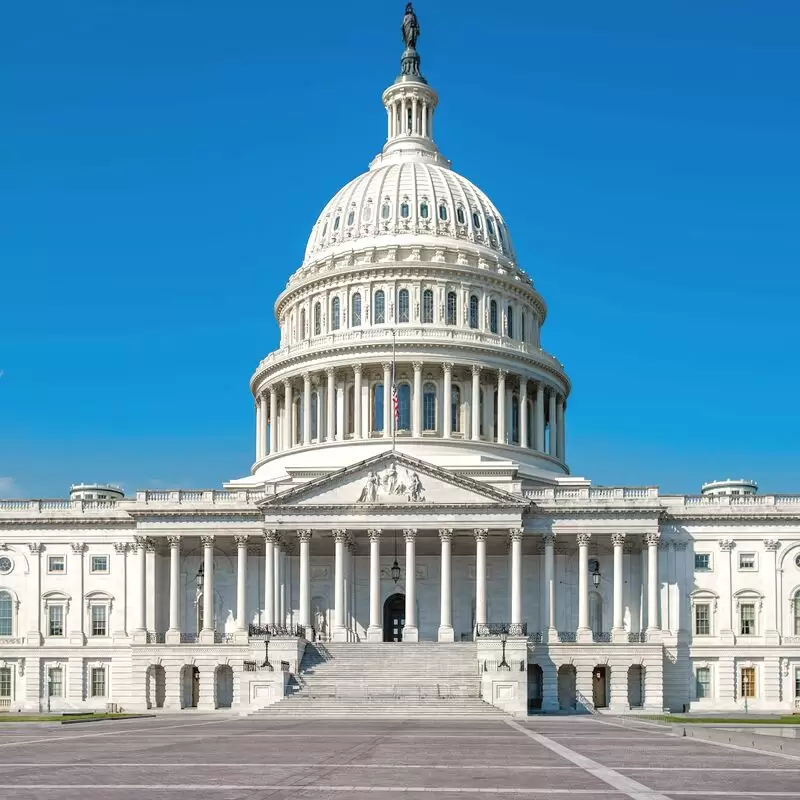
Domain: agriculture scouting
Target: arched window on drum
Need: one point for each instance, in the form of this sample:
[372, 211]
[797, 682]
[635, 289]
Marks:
[427, 306]
[429, 407]
[452, 308]
[474, 311]
[356, 315]
[402, 306]
[335, 314]
[317, 319]
[380, 307]
[493, 316]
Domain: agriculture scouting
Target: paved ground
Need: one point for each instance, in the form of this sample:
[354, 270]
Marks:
[195, 756]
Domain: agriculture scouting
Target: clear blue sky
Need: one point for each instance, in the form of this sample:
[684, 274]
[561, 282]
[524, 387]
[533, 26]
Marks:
[162, 162]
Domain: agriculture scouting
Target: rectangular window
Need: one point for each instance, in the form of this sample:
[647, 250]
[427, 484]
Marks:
[747, 613]
[748, 681]
[99, 621]
[702, 562]
[702, 619]
[55, 620]
[703, 682]
[99, 564]
[747, 561]
[797, 683]
[5, 682]
[56, 564]
[98, 681]
[55, 682]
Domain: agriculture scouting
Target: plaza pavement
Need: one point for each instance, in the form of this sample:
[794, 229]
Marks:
[200, 756]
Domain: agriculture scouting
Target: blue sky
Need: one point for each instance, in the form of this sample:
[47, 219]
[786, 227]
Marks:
[162, 162]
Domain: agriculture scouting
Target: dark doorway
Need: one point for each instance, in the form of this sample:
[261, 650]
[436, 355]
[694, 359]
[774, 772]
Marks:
[600, 687]
[394, 618]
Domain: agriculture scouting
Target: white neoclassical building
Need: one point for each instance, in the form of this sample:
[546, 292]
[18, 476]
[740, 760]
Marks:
[410, 484]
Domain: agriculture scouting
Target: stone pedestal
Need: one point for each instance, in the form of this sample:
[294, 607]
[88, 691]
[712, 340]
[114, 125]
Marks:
[172, 637]
[375, 634]
[410, 634]
[584, 636]
[206, 636]
[446, 633]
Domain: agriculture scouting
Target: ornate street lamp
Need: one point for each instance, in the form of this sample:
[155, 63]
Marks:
[596, 575]
[200, 577]
[395, 571]
[503, 664]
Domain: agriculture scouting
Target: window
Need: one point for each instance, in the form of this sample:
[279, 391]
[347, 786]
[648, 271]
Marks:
[55, 620]
[336, 223]
[455, 409]
[6, 565]
[380, 307]
[452, 308]
[402, 305]
[424, 210]
[797, 683]
[98, 681]
[335, 314]
[747, 619]
[427, 306]
[510, 322]
[366, 214]
[747, 562]
[99, 621]
[356, 316]
[490, 225]
[702, 562]
[702, 619]
[302, 324]
[476, 220]
[5, 682]
[56, 564]
[522, 326]
[493, 316]
[429, 407]
[702, 682]
[748, 681]
[473, 311]
[404, 407]
[515, 419]
[404, 210]
[377, 408]
[317, 319]
[443, 212]
[386, 210]
[99, 564]
[6, 614]
[500, 232]
[55, 682]
[351, 217]
[460, 216]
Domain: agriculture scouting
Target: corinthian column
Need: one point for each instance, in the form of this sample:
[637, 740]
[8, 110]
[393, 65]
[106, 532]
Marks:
[516, 578]
[618, 633]
[287, 415]
[304, 536]
[140, 619]
[584, 631]
[476, 403]
[375, 630]
[330, 415]
[306, 408]
[410, 631]
[207, 632]
[446, 633]
[416, 421]
[447, 414]
[538, 431]
[173, 635]
[501, 406]
[523, 411]
[273, 420]
[387, 400]
[241, 581]
[652, 584]
[357, 422]
[270, 539]
[339, 632]
[481, 534]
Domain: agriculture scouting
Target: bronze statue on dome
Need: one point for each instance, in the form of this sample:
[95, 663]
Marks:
[410, 27]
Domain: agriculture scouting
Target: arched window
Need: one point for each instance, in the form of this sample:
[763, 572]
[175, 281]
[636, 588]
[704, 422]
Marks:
[404, 407]
[335, 314]
[510, 322]
[402, 305]
[476, 220]
[427, 305]
[452, 308]
[366, 213]
[443, 212]
[515, 419]
[522, 325]
[424, 210]
[460, 216]
[455, 409]
[500, 232]
[474, 305]
[490, 225]
[386, 210]
[336, 223]
[325, 228]
[6, 614]
[377, 407]
[404, 210]
[303, 323]
[356, 315]
[314, 415]
[429, 407]
[317, 319]
[493, 316]
[351, 217]
[379, 313]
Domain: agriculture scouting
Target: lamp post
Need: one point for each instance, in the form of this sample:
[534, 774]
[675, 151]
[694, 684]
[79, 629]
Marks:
[395, 571]
[503, 664]
[596, 576]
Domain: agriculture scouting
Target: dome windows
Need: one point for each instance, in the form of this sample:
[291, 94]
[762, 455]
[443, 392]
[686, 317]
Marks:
[356, 310]
[452, 308]
[461, 217]
[366, 213]
[351, 217]
[490, 225]
[380, 307]
[386, 209]
[473, 311]
[336, 221]
[424, 210]
[317, 319]
[476, 220]
[429, 407]
[493, 316]
[402, 305]
[427, 306]
[522, 325]
[443, 212]
[404, 210]
[510, 322]
[335, 314]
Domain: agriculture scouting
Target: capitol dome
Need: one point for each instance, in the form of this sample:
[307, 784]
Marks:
[410, 325]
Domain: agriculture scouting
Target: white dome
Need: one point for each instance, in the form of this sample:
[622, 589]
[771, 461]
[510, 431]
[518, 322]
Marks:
[408, 197]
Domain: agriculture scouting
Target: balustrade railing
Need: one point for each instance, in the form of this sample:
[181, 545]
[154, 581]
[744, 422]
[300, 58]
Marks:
[190, 638]
[268, 631]
[591, 493]
[11, 641]
[494, 630]
[223, 638]
[537, 637]
[601, 636]
[153, 637]
[637, 637]
[567, 637]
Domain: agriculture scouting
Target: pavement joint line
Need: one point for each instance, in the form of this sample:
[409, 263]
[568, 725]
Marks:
[618, 781]
[106, 732]
[261, 765]
[216, 787]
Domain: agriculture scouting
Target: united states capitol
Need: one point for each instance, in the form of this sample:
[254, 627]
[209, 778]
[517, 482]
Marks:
[411, 533]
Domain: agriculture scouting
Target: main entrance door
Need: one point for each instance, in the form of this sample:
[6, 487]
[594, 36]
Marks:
[599, 686]
[394, 618]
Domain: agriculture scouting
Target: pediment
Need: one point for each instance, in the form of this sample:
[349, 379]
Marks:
[393, 479]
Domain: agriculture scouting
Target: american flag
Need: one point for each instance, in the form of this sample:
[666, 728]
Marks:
[395, 406]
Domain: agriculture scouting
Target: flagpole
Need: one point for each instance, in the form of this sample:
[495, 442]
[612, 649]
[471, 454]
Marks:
[394, 389]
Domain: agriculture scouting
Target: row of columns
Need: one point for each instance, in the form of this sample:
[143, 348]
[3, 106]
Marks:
[275, 569]
[548, 410]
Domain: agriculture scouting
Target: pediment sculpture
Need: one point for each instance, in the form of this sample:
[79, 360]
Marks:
[390, 485]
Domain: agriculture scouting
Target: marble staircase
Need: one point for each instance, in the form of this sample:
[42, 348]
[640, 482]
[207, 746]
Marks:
[386, 679]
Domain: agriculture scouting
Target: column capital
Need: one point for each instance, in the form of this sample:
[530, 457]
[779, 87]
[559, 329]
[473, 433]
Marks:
[476, 369]
[304, 534]
[501, 374]
[540, 388]
[549, 539]
[374, 534]
[174, 541]
[339, 535]
[618, 539]
[78, 547]
[583, 539]
[330, 371]
[307, 378]
[516, 534]
[446, 534]
[356, 369]
[409, 534]
[35, 547]
[287, 383]
[417, 366]
[387, 366]
[273, 392]
[207, 541]
[652, 539]
[140, 542]
[271, 536]
[481, 534]
[447, 366]
[120, 547]
[241, 539]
